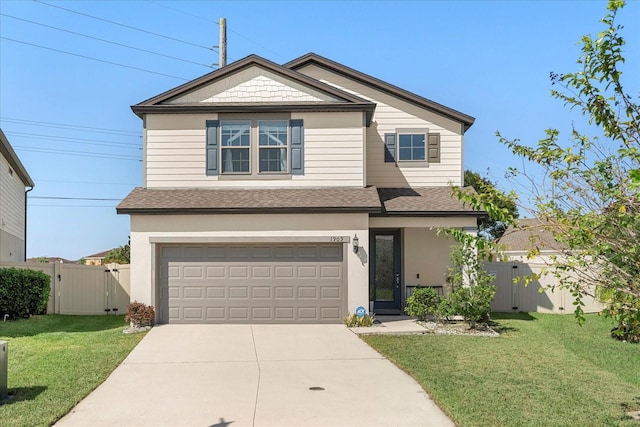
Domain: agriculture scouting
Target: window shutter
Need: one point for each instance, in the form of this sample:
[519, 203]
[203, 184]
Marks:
[212, 147]
[297, 147]
[434, 148]
[389, 147]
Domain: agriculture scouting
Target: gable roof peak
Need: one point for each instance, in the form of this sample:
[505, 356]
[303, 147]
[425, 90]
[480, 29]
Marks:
[360, 77]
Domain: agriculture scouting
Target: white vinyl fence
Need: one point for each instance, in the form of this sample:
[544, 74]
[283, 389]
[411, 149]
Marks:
[537, 296]
[83, 289]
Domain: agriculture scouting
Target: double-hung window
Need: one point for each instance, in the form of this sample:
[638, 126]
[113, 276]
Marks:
[253, 147]
[273, 144]
[235, 141]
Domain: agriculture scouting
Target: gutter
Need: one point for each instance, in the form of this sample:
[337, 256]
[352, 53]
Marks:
[25, 221]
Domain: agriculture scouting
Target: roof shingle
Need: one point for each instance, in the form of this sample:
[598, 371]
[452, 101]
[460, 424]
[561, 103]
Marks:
[280, 200]
[424, 200]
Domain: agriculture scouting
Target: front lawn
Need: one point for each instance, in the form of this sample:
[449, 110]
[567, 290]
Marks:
[543, 370]
[55, 361]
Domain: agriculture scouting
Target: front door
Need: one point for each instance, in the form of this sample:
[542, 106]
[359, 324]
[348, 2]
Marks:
[384, 275]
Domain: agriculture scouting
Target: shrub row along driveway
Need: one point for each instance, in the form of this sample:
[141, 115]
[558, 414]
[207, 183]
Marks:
[256, 375]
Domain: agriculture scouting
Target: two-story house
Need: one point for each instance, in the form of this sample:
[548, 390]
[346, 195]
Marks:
[292, 193]
[15, 182]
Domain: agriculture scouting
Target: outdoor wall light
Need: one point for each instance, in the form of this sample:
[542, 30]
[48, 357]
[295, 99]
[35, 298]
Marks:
[355, 243]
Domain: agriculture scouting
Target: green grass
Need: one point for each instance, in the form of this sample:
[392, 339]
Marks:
[55, 361]
[544, 370]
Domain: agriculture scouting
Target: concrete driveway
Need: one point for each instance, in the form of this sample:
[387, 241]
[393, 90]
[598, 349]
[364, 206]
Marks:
[256, 375]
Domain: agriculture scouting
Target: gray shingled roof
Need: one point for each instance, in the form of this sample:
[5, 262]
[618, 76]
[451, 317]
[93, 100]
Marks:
[424, 201]
[528, 234]
[281, 200]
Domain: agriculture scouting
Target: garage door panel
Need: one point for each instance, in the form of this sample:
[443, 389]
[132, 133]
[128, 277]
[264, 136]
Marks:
[261, 271]
[283, 283]
[216, 313]
[236, 292]
[192, 292]
[238, 313]
[215, 272]
[216, 292]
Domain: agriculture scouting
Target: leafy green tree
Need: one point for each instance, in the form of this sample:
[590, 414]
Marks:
[120, 255]
[587, 193]
[489, 227]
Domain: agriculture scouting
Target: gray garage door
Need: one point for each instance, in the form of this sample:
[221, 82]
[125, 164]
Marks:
[262, 283]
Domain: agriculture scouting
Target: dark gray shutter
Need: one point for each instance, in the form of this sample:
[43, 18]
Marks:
[433, 148]
[212, 147]
[297, 147]
[389, 147]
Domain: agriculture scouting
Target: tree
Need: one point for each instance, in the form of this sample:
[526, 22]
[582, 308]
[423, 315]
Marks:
[120, 255]
[587, 194]
[489, 227]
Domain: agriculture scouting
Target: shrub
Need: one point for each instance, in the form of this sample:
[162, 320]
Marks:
[353, 320]
[473, 303]
[23, 292]
[625, 310]
[139, 314]
[422, 302]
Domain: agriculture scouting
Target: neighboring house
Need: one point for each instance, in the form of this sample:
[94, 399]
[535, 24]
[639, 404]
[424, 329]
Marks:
[15, 182]
[292, 193]
[542, 293]
[529, 234]
[96, 259]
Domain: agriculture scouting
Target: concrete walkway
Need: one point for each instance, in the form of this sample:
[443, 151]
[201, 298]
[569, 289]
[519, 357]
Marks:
[256, 375]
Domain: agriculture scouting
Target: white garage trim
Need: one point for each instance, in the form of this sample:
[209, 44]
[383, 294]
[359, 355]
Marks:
[251, 239]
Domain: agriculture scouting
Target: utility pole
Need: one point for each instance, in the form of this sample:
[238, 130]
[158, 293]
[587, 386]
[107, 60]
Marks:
[223, 43]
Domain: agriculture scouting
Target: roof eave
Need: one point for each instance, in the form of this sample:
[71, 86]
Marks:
[220, 211]
[7, 151]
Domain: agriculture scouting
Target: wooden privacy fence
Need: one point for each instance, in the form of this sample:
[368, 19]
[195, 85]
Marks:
[83, 289]
[537, 295]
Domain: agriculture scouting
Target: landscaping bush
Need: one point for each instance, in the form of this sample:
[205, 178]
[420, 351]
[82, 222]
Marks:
[353, 320]
[23, 292]
[139, 314]
[473, 303]
[422, 302]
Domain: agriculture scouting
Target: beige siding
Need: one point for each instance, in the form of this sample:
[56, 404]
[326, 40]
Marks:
[12, 198]
[175, 153]
[391, 114]
[426, 257]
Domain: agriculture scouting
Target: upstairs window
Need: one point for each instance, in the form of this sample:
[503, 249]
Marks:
[411, 147]
[235, 141]
[255, 147]
[273, 141]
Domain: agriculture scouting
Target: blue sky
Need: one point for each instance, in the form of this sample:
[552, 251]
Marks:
[69, 120]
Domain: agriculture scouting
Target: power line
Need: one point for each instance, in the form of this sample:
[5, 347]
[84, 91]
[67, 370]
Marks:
[75, 198]
[63, 126]
[93, 59]
[85, 182]
[107, 41]
[75, 153]
[73, 140]
[124, 25]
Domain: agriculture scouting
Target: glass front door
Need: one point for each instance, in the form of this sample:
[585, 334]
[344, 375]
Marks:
[385, 270]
